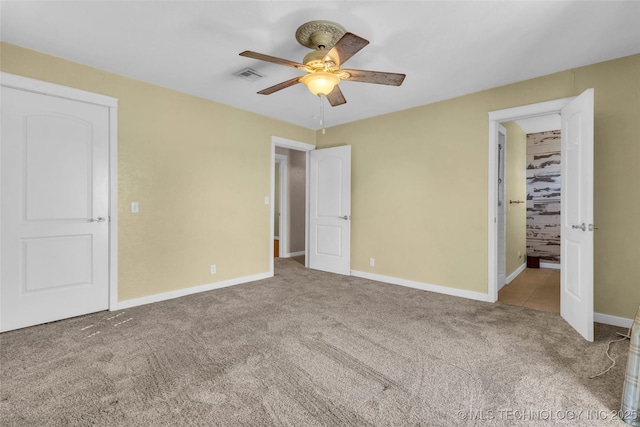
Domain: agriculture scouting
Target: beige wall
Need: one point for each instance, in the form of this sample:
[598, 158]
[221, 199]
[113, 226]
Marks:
[199, 172]
[516, 181]
[419, 183]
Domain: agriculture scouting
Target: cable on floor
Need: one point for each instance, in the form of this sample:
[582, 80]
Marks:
[613, 361]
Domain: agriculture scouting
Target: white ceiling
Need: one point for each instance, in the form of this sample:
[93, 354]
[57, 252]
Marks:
[446, 48]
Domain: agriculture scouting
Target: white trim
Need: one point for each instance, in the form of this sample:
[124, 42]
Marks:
[508, 114]
[189, 291]
[113, 206]
[51, 89]
[284, 204]
[290, 143]
[492, 216]
[532, 110]
[608, 319]
[550, 265]
[423, 286]
[501, 163]
[307, 206]
[516, 273]
[294, 145]
[292, 254]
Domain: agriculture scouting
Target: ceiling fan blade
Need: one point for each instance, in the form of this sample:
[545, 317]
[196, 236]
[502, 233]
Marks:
[336, 97]
[273, 59]
[280, 86]
[346, 47]
[378, 77]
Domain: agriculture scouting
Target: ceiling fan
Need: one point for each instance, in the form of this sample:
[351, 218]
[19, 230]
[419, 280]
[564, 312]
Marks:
[333, 46]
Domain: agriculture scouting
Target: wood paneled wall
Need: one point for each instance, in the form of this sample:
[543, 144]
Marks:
[544, 184]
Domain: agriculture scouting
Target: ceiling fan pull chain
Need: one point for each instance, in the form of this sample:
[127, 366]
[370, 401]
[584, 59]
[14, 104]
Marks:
[322, 119]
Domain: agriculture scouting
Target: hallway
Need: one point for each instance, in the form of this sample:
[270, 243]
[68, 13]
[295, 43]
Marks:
[536, 288]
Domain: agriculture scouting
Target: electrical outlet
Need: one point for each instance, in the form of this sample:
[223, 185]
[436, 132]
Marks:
[519, 255]
[372, 262]
[213, 269]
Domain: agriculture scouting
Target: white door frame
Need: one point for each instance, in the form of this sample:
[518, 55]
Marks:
[503, 256]
[277, 141]
[495, 117]
[50, 89]
[283, 247]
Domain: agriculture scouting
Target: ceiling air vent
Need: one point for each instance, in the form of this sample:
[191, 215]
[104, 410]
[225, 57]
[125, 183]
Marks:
[249, 74]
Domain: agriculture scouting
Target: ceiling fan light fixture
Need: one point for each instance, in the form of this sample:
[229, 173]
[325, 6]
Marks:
[320, 82]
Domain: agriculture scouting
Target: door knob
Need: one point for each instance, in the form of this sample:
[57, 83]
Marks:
[99, 219]
[345, 217]
[582, 227]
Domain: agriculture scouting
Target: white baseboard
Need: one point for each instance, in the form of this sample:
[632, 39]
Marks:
[608, 319]
[549, 265]
[292, 254]
[515, 274]
[188, 291]
[423, 286]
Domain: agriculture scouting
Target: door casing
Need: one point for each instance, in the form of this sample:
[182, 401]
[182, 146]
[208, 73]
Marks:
[283, 247]
[502, 211]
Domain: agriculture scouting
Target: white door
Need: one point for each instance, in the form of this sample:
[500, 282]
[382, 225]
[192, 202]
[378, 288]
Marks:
[330, 209]
[54, 216]
[576, 299]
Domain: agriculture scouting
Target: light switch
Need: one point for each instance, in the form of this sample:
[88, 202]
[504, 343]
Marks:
[134, 207]
[266, 200]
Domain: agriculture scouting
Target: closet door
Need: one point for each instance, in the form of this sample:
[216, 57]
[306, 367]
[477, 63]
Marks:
[55, 208]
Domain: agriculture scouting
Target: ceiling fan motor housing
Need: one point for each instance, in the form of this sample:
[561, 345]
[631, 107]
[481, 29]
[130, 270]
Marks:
[319, 34]
[319, 60]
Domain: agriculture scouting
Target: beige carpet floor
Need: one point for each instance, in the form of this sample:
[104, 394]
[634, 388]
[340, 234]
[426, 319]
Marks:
[308, 348]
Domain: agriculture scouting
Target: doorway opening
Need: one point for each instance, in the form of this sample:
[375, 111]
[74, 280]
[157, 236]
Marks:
[576, 220]
[289, 199]
[496, 120]
[529, 209]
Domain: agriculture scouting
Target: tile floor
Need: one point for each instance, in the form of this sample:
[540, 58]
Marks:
[536, 288]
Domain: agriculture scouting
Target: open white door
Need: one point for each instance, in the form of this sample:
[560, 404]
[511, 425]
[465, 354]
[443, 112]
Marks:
[330, 209]
[55, 208]
[576, 299]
